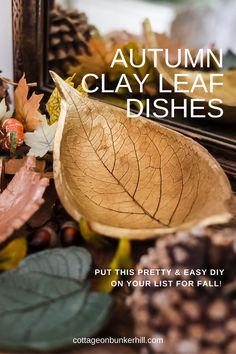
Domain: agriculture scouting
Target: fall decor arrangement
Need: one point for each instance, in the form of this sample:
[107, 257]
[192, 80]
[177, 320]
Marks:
[86, 192]
[118, 177]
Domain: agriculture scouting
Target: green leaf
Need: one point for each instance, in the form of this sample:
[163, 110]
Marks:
[46, 302]
[74, 264]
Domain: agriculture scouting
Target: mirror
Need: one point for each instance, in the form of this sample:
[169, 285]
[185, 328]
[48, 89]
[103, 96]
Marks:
[73, 22]
[60, 33]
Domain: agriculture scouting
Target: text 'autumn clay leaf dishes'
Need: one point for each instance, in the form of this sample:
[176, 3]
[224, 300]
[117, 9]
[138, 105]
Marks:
[131, 177]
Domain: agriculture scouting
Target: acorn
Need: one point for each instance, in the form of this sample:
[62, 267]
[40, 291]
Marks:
[70, 234]
[10, 127]
[41, 239]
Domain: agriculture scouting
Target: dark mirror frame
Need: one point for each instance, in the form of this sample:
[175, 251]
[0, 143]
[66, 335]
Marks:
[30, 28]
[30, 24]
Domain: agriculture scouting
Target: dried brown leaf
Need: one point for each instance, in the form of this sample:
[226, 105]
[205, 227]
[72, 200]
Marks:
[26, 109]
[131, 177]
[98, 62]
[21, 199]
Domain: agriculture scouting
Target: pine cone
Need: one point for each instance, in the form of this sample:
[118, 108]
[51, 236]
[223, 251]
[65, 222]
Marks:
[69, 33]
[191, 320]
[4, 92]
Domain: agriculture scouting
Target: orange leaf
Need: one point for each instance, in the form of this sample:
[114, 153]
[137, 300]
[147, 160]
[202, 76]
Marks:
[97, 62]
[26, 110]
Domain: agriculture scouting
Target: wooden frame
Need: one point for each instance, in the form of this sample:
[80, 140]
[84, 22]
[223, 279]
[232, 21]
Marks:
[30, 28]
[30, 23]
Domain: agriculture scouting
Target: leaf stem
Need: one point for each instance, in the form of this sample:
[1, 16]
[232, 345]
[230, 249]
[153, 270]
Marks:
[30, 84]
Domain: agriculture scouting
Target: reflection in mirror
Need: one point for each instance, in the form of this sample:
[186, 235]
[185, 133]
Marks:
[83, 37]
[126, 15]
[69, 33]
[72, 22]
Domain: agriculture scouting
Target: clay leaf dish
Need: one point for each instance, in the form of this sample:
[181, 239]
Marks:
[131, 177]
